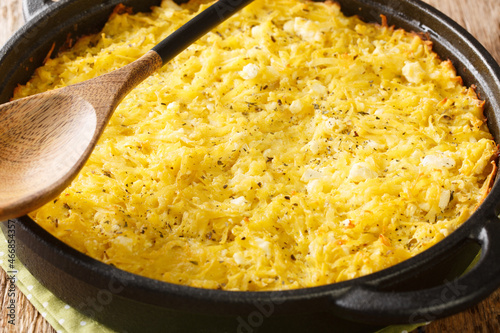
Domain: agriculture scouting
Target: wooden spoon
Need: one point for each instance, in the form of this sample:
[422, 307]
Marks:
[46, 139]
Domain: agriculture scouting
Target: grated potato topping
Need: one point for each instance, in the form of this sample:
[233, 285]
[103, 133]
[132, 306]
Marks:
[290, 147]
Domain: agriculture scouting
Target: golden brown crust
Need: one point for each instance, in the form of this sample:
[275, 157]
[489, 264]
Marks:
[49, 54]
[490, 180]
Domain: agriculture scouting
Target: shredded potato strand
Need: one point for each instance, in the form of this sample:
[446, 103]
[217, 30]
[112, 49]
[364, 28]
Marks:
[290, 147]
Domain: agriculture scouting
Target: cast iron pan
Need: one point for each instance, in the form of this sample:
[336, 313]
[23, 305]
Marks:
[424, 288]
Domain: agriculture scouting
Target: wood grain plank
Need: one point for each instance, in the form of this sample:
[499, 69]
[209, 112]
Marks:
[480, 17]
[27, 318]
[10, 17]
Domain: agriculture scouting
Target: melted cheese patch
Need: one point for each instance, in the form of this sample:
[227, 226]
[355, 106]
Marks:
[290, 147]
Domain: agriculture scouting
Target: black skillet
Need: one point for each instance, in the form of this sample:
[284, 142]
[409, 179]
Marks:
[426, 287]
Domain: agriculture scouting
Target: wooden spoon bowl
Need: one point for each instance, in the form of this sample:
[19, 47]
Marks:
[48, 147]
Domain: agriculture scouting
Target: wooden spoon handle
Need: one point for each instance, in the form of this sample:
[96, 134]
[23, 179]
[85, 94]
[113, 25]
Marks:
[197, 27]
[117, 84]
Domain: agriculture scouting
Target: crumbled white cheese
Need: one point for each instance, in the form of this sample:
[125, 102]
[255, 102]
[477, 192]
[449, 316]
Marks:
[296, 106]
[125, 241]
[374, 145]
[346, 222]
[361, 172]
[239, 201]
[318, 88]
[438, 162]
[330, 123]
[239, 258]
[314, 186]
[173, 107]
[425, 206]
[444, 231]
[256, 31]
[444, 199]
[310, 174]
[264, 245]
[249, 72]
[413, 72]
[306, 29]
[313, 146]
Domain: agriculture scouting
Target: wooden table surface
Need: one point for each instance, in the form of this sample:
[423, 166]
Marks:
[480, 17]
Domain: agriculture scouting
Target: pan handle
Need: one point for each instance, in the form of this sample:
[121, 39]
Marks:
[33, 7]
[365, 303]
